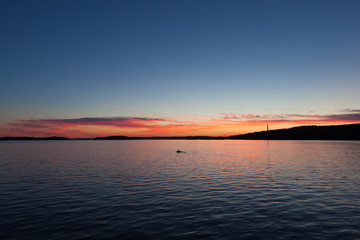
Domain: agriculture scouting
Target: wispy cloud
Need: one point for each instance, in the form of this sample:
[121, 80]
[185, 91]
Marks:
[351, 117]
[220, 125]
[90, 121]
[87, 126]
[354, 116]
[351, 110]
[254, 117]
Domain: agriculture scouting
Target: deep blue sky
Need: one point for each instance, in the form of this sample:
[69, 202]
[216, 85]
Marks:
[68, 59]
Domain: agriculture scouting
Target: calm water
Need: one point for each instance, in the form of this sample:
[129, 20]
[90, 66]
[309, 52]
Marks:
[229, 189]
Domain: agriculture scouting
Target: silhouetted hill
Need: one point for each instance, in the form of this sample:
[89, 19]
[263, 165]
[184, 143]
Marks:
[33, 138]
[112, 138]
[186, 138]
[156, 138]
[338, 132]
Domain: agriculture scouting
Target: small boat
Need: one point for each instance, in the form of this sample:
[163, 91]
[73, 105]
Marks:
[179, 151]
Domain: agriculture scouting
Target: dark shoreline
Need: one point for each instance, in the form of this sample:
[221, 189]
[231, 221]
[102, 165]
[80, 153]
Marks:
[334, 132]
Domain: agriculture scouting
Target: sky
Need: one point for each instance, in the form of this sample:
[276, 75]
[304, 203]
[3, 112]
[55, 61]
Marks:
[176, 68]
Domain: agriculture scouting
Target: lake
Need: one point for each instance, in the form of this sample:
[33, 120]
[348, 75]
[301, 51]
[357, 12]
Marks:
[216, 189]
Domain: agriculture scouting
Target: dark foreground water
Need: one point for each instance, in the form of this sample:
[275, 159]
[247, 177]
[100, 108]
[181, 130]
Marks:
[229, 189]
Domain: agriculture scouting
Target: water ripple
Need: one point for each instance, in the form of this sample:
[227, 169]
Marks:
[144, 190]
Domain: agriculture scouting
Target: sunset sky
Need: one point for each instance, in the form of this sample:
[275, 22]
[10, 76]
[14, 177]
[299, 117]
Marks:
[176, 68]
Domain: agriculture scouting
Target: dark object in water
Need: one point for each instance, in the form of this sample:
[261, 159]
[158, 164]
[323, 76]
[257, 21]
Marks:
[179, 151]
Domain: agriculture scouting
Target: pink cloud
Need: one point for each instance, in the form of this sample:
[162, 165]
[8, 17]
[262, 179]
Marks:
[223, 125]
[96, 121]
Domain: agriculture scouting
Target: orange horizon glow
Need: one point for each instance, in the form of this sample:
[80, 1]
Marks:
[225, 125]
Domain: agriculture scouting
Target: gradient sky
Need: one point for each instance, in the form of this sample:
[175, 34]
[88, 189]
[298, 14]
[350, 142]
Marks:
[172, 68]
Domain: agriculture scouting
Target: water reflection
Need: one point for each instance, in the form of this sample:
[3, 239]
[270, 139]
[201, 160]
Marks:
[145, 190]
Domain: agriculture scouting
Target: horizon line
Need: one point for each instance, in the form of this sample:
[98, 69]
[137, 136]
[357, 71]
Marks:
[176, 136]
